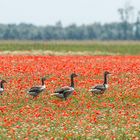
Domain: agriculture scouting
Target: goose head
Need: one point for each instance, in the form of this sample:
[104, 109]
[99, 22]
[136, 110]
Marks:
[73, 75]
[106, 73]
[43, 78]
[3, 81]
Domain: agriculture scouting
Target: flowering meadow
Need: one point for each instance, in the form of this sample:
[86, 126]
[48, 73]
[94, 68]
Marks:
[114, 115]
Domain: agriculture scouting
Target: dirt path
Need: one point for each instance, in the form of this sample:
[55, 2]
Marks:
[40, 52]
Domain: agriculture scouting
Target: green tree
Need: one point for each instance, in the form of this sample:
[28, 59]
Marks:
[137, 32]
[126, 14]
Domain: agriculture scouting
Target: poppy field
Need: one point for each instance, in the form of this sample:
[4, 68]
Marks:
[113, 115]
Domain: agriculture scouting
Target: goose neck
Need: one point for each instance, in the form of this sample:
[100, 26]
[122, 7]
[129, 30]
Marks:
[105, 79]
[72, 81]
[43, 83]
[1, 85]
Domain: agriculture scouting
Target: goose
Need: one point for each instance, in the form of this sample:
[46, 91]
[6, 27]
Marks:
[65, 91]
[100, 89]
[35, 91]
[2, 86]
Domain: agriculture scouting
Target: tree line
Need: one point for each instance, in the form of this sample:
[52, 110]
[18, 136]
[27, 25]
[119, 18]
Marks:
[123, 30]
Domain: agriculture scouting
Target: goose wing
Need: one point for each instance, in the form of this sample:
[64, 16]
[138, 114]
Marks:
[63, 90]
[35, 89]
[99, 87]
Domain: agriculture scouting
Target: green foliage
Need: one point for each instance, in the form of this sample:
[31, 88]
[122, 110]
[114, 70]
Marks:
[109, 31]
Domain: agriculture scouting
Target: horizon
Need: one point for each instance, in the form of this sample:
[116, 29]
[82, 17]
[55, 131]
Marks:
[42, 13]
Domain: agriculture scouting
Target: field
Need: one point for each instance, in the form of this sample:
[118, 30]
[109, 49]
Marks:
[114, 115]
[71, 47]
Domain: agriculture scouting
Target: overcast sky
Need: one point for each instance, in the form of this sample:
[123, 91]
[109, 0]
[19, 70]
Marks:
[44, 12]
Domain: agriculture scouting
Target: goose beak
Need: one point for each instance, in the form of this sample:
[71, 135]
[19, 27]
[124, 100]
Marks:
[77, 75]
[109, 74]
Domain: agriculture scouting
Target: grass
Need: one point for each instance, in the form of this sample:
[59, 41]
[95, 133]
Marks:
[74, 47]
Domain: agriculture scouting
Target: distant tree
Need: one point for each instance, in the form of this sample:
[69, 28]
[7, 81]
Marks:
[126, 14]
[137, 32]
[58, 31]
[71, 32]
[3, 28]
[94, 31]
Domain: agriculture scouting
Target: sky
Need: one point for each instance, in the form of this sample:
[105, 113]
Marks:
[48, 12]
